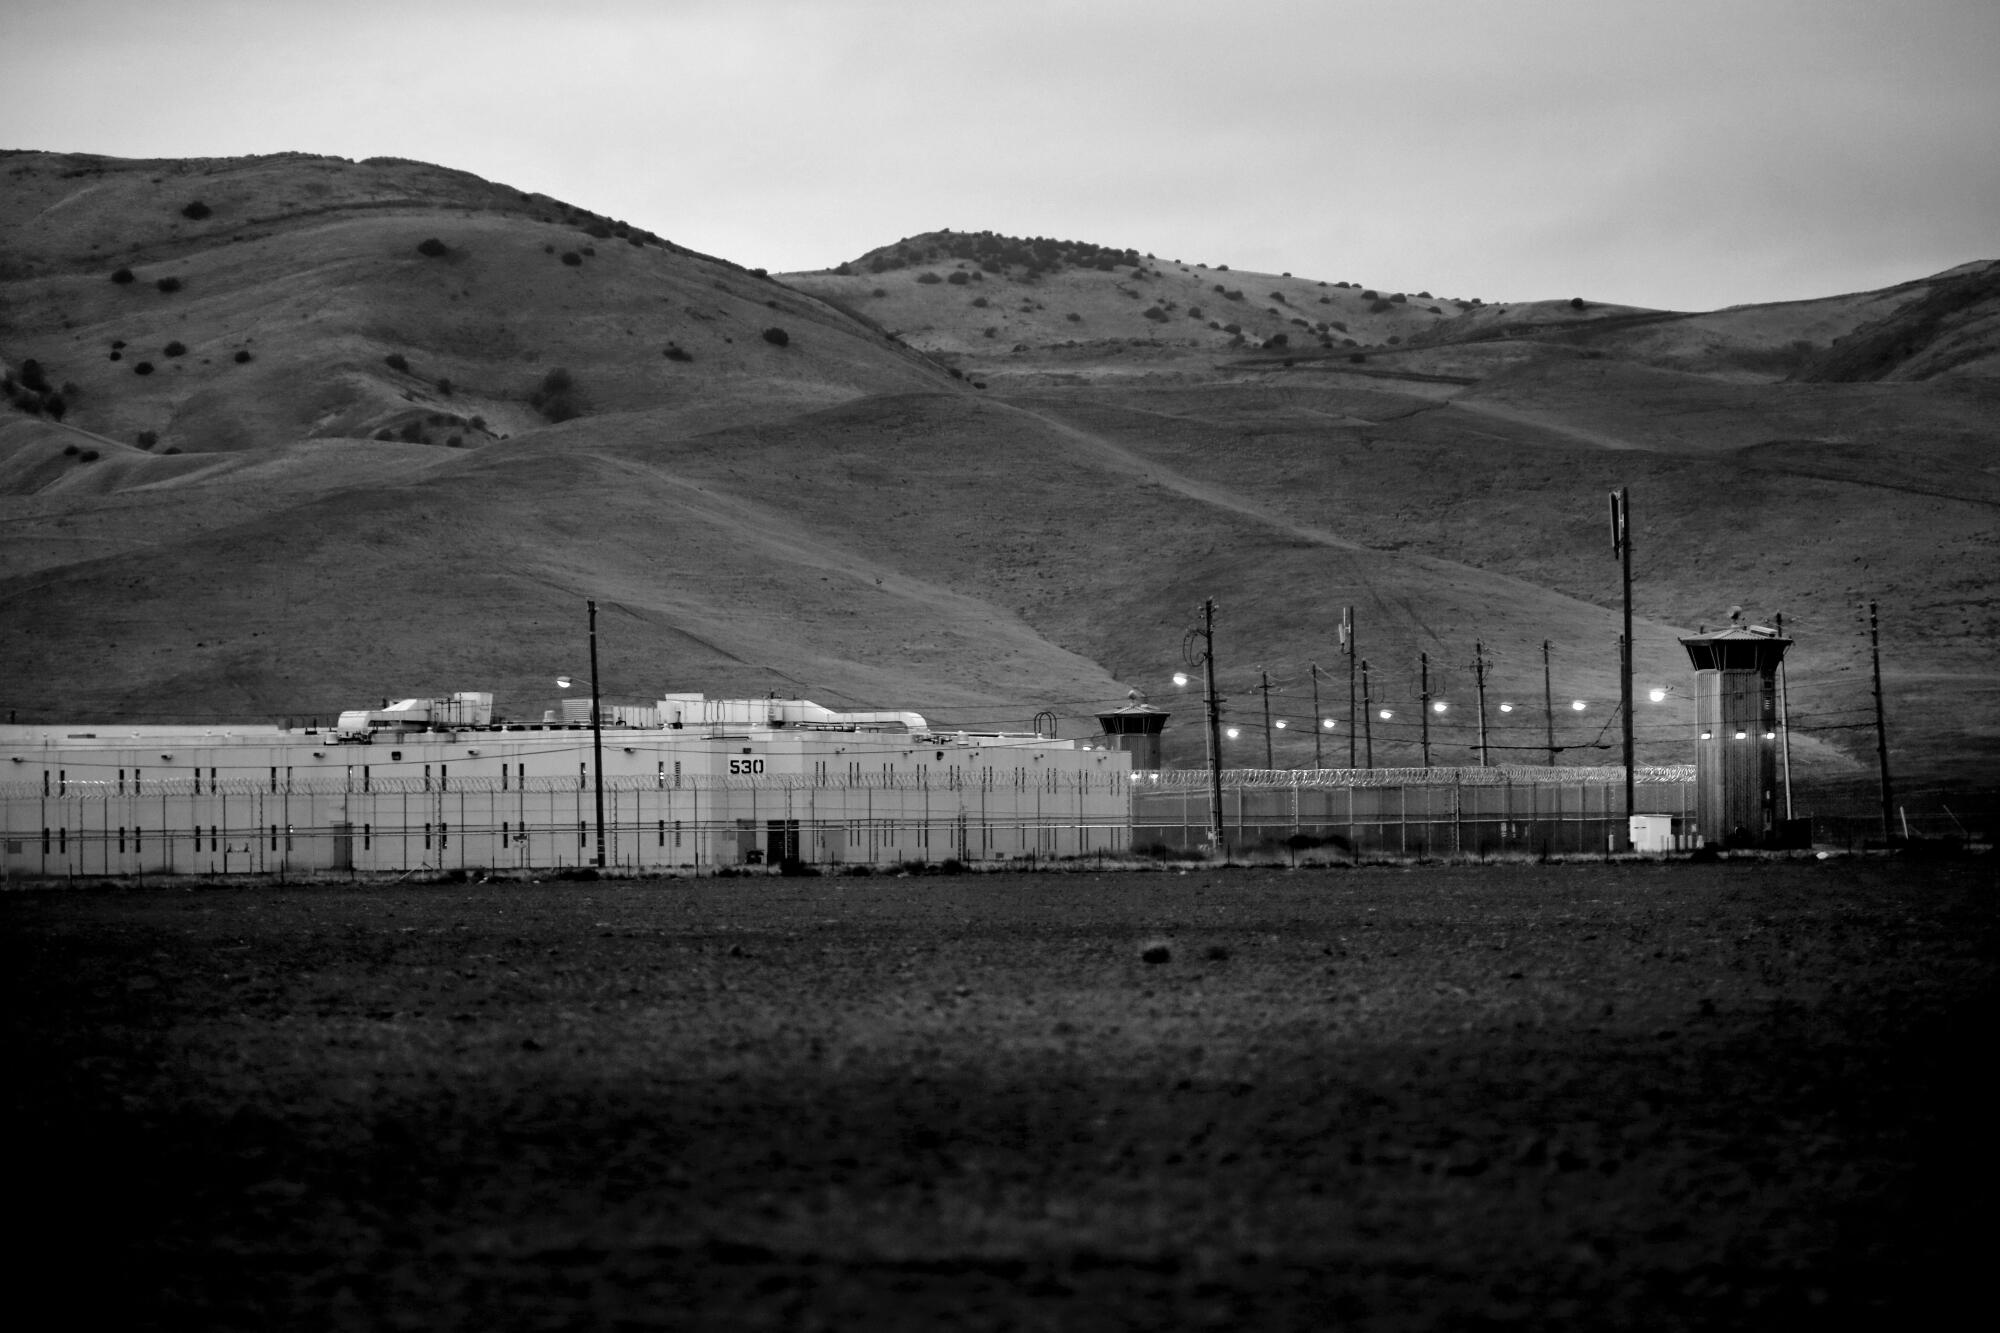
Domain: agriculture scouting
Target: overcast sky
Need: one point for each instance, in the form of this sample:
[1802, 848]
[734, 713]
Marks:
[1688, 155]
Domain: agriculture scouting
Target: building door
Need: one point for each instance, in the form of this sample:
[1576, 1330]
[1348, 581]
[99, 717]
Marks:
[781, 841]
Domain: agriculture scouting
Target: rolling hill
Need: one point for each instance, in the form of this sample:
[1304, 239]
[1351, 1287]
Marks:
[416, 418]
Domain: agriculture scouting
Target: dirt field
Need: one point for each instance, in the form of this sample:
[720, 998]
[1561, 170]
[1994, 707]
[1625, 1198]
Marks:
[1645, 1096]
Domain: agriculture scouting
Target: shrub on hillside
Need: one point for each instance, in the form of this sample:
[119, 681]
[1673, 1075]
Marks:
[1278, 340]
[444, 386]
[176, 348]
[87, 456]
[1371, 295]
[572, 258]
[168, 284]
[121, 276]
[1279, 297]
[1378, 306]
[431, 247]
[69, 451]
[143, 368]
[1073, 317]
[958, 278]
[243, 356]
[396, 361]
[556, 397]
[980, 302]
[1157, 315]
[146, 439]
[928, 278]
[675, 352]
[1400, 299]
[598, 231]
[777, 337]
[1576, 303]
[196, 210]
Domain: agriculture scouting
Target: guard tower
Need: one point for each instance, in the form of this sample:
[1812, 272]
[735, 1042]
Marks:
[1736, 726]
[1136, 729]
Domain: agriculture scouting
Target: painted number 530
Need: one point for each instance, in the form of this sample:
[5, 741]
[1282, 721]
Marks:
[742, 766]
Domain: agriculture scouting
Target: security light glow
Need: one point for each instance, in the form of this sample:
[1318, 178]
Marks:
[562, 682]
[1506, 708]
[1279, 724]
[1387, 713]
[1708, 735]
[1742, 735]
[1439, 706]
[1327, 723]
[1180, 677]
[1233, 733]
[1657, 695]
[1578, 705]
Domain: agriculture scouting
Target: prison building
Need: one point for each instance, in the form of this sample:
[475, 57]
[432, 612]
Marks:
[688, 784]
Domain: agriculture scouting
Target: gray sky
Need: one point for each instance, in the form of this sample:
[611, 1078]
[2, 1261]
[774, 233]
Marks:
[1690, 154]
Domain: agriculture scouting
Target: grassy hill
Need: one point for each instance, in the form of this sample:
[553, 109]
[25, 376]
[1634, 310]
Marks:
[977, 476]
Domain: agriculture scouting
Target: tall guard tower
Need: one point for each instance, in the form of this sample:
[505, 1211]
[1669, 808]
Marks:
[1736, 725]
[1135, 729]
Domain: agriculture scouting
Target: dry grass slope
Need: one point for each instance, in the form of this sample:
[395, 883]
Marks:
[348, 482]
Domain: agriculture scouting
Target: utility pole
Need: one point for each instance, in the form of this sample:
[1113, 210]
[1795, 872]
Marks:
[1621, 545]
[1784, 726]
[1214, 727]
[1479, 682]
[1881, 730]
[1424, 666]
[1264, 678]
[1548, 704]
[1319, 723]
[596, 734]
[1347, 646]
[1367, 714]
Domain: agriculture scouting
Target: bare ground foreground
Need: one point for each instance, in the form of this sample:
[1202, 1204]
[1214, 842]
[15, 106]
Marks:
[1635, 1095]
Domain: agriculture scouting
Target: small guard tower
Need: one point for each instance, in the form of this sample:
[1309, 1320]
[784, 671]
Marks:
[1736, 727]
[1136, 729]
